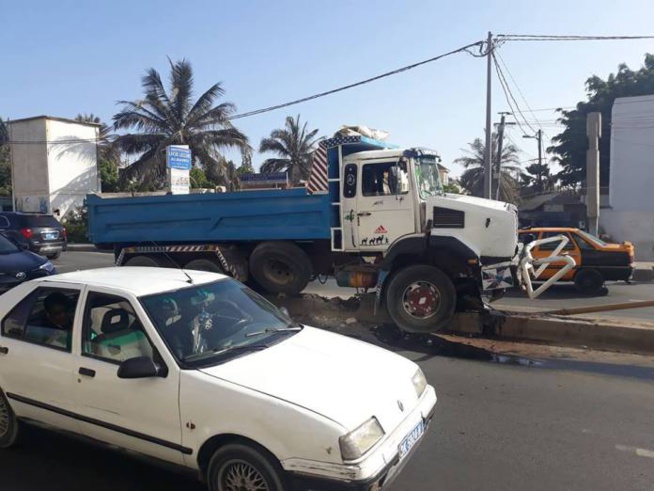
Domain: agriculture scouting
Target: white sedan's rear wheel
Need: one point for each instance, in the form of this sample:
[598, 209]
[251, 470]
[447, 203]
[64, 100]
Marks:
[8, 424]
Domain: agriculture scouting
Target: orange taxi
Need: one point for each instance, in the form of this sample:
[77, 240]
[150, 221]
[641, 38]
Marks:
[596, 261]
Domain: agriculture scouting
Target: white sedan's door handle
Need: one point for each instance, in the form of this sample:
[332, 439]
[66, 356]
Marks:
[4, 350]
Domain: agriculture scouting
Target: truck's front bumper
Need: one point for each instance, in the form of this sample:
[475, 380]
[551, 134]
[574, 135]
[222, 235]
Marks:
[376, 471]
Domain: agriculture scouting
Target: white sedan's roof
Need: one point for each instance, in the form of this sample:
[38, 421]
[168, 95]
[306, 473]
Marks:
[137, 280]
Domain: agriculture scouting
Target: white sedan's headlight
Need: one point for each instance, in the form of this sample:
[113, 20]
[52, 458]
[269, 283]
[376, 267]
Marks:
[359, 441]
[48, 266]
[419, 382]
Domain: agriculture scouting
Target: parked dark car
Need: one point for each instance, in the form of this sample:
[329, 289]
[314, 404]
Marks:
[18, 264]
[41, 233]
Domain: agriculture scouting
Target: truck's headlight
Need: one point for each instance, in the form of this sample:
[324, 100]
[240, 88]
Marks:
[419, 382]
[359, 441]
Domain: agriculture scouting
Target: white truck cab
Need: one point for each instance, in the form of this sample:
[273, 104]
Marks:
[388, 195]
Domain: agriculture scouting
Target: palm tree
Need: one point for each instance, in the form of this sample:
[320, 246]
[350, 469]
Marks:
[171, 117]
[294, 148]
[472, 179]
[108, 151]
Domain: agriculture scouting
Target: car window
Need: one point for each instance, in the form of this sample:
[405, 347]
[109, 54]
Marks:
[42, 221]
[112, 331]
[44, 317]
[7, 246]
[570, 246]
[583, 244]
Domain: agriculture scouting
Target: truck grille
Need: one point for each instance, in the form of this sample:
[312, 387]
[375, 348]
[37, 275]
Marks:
[447, 218]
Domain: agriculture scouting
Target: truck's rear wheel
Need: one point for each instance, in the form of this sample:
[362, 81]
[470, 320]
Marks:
[280, 267]
[142, 261]
[204, 265]
[421, 299]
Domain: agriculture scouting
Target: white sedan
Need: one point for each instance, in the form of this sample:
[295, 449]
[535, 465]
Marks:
[195, 369]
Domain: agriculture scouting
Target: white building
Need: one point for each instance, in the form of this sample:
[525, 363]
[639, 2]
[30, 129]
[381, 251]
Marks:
[630, 215]
[54, 163]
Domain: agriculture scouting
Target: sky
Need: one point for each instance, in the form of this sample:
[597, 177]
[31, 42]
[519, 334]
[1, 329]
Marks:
[68, 57]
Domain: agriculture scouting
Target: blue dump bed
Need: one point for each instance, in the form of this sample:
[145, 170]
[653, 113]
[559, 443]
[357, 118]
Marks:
[291, 214]
[242, 216]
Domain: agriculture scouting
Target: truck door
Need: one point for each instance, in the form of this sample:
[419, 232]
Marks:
[384, 205]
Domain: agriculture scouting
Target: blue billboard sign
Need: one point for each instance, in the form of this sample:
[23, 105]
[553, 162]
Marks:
[271, 177]
[178, 157]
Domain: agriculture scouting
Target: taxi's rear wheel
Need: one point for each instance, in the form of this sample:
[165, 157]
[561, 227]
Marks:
[589, 281]
[238, 467]
[8, 424]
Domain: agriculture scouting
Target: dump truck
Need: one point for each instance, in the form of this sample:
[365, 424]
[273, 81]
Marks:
[372, 215]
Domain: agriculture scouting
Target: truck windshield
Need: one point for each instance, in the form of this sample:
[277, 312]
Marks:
[207, 324]
[427, 176]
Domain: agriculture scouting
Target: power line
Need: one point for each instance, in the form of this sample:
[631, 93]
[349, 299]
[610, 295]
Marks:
[547, 37]
[520, 92]
[509, 97]
[362, 82]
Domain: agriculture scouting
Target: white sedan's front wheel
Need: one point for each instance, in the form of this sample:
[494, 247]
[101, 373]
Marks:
[237, 467]
[8, 424]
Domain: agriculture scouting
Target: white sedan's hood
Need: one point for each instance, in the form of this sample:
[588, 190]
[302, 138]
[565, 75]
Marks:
[345, 380]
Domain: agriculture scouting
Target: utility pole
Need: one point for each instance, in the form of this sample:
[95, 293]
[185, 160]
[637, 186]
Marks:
[594, 132]
[488, 163]
[539, 137]
[497, 171]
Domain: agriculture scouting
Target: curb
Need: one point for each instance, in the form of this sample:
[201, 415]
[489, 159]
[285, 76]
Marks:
[643, 275]
[596, 334]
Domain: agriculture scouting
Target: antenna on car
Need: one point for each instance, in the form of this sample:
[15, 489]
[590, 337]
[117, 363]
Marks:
[188, 276]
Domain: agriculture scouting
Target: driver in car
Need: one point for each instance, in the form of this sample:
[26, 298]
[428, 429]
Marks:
[59, 317]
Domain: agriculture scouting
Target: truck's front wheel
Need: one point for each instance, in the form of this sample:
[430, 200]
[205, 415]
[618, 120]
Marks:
[421, 299]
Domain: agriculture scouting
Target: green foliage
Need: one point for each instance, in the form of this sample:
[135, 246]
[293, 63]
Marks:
[76, 223]
[293, 146]
[171, 116]
[472, 179]
[537, 179]
[109, 177]
[571, 144]
[452, 188]
[199, 179]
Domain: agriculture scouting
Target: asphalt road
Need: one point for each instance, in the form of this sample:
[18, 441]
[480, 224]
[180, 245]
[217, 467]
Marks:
[557, 297]
[557, 424]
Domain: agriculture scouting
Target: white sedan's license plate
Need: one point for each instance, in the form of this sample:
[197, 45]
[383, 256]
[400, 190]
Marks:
[411, 439]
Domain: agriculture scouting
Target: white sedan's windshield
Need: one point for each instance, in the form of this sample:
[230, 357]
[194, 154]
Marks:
[427, 176]
[207, 321]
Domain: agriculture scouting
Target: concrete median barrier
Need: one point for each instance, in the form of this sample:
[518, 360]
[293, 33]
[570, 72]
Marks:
[593, 333]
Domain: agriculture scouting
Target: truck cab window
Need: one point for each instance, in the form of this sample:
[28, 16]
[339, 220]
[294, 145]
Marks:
[383, 179]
